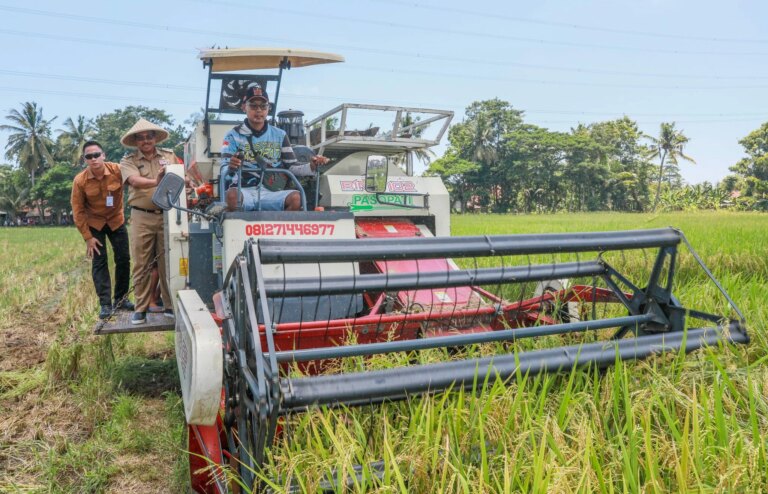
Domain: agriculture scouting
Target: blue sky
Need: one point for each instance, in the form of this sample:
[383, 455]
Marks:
[698, 63]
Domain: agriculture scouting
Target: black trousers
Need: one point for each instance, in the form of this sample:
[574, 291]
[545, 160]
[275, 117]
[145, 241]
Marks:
[100, 267]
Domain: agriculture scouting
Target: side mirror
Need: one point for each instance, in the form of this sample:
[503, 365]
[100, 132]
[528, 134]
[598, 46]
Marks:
[168, 191]
[376, 169]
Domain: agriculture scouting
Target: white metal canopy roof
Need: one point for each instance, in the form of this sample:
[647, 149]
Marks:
[229, 59]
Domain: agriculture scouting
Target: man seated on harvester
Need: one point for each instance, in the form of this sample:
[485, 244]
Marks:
[256, 138]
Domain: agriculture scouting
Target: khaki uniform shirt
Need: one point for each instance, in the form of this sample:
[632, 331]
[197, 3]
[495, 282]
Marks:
[89, 200]
[138, 164]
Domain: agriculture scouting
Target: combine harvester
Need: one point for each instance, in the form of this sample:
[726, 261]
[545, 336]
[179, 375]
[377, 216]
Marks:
[274, 302]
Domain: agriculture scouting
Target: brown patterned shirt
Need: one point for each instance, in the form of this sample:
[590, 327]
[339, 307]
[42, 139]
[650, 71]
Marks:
[89, 200]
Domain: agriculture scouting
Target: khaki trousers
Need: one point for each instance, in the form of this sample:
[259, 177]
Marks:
[147, 242]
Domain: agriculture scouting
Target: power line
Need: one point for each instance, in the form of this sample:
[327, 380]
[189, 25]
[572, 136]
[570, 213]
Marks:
[610, 115]
[115, 82]
[580, 27]
[94, 96]
[201, 89]
[166, 28]
[440, 58]
[463, 75]
[106, 42]
[474, 34]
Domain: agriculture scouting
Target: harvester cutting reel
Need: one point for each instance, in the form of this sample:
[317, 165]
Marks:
[588, 310]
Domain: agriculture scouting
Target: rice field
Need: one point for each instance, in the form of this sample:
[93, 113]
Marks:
[86, 414]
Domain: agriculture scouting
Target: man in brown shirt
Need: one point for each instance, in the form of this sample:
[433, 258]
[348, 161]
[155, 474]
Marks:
[142, 170]
[97, 207]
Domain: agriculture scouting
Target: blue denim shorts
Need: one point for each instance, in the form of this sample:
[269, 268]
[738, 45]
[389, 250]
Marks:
[269, 200]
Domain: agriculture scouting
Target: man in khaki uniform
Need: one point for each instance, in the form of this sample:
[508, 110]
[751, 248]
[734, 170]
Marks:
[142, 170]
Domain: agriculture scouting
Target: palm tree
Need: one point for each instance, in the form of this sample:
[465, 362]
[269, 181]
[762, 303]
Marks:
[73, 136]
[668, 146]
[424, 155]
[483, 147]
[30, 139]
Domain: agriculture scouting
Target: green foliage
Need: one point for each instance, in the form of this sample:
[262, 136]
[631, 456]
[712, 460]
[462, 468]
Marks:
[694, 197]
[620, 147]
[55, 187]
[481, 139]
[756, 147]
[454, 172]
[496, 162]
[753, 170]
[15, 186]
[525, 168]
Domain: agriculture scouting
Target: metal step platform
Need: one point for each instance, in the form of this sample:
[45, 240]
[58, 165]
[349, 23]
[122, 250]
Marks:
[120, 322]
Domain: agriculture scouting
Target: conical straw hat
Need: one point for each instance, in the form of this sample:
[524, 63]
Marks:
[143, 125]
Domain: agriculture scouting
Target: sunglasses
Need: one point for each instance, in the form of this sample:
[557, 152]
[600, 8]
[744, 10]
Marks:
[92, 156]
[144, 137]
[258, 106]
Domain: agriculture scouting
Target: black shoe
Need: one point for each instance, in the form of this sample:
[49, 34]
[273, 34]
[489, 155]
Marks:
[125, 305]
[168, 313]
[139, 317]
[105, 312]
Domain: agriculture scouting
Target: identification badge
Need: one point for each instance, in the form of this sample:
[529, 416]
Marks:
[110, 201]
[163, 162]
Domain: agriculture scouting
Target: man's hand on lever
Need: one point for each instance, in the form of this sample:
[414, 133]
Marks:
[317, 160]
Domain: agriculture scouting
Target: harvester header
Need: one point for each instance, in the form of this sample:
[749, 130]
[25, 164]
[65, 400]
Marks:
[613, 289]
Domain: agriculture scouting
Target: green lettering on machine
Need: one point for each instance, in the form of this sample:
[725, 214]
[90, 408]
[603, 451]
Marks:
[368, 202]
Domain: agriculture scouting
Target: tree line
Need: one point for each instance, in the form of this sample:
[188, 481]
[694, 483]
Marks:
[497, 162]
[45, 160]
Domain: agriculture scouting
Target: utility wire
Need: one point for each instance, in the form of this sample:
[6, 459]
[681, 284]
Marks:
[445, 30]
[96, 96]
[421, 56]
[115, 82]
[568, 83]
[201, 89]
[228, 34]
[91, 41]
[527, 20]
[458, 108]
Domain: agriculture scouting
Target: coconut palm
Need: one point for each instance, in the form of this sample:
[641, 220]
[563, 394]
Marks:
[424, 155]
[668, 146]
[73, 136]
[30, 140]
